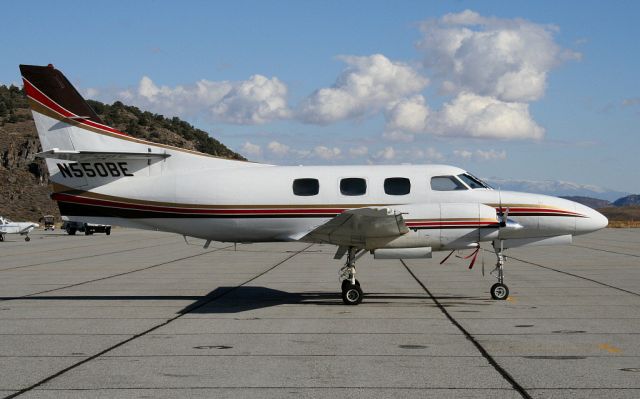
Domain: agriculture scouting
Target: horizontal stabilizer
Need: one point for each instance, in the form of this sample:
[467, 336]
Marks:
[94, 155]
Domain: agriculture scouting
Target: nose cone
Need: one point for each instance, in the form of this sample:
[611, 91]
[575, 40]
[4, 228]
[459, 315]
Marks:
[591, 221]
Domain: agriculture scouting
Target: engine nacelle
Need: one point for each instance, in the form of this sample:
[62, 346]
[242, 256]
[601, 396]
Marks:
[443, 226]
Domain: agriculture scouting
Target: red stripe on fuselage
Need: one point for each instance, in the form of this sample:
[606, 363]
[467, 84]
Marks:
[514, 211]
[152, 208]
[35, 94]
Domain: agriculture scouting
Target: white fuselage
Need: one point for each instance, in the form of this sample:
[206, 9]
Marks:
[257, 203]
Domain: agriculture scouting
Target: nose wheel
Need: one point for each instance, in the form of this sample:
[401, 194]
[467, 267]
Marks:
[351, 291]
[499, 290]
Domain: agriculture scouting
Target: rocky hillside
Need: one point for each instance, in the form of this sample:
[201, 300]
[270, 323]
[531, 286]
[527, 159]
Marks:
[24, 192]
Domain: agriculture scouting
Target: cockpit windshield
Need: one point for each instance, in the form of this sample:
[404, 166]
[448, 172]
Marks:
[472, 181]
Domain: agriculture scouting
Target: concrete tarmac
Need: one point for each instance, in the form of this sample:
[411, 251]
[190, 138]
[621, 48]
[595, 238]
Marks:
[142, 314]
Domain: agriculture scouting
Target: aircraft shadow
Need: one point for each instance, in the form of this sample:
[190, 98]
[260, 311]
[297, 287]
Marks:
[245, 298]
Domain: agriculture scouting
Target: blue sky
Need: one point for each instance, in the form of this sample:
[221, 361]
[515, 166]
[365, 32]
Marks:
[517, 90]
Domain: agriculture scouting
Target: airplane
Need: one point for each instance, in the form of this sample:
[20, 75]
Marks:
[22, 228]
[102, 175]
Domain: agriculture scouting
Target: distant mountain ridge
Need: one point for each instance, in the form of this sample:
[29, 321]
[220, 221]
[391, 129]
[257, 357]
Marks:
[630, 200]
[594, 203]
[24, 193]
[557, 188]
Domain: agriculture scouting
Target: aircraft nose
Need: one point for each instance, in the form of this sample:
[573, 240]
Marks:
[592, 220]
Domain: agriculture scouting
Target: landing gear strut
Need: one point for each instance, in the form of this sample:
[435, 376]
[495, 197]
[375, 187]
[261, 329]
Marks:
[499, 290]
[351, 291]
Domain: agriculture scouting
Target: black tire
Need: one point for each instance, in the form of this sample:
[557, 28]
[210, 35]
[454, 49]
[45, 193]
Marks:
[352, 294]
[108, 231]
[499, 292]
[87, 232]
[346, 283]
[1, 237]
[27, 238]
[71, 232]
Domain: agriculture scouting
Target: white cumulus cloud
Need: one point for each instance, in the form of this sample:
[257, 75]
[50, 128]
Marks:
[368, 84]
[251, 150]
[491, 155]
[326, 153]
[471, 115]
[254, 101]
[386, 154]
[408, 114]
[481, 155]
[359, 151]
[466, 115]
[464, 154]
[504, 58]
[278, 149]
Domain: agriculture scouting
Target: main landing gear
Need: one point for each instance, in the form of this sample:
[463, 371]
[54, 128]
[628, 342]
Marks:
[499, 290]
[351, 291]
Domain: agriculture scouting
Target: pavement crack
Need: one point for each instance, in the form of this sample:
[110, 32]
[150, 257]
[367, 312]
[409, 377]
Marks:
[504, 373]
[577, 275]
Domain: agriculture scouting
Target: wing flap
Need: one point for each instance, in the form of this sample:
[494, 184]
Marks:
[355, 227]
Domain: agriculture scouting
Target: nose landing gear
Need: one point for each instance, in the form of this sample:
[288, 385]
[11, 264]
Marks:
[351, 291]
[499, 290]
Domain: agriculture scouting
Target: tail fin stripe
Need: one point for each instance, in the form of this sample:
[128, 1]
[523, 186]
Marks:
[36, 95]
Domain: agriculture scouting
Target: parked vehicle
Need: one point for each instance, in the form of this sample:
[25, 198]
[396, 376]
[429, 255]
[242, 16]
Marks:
[71, 227]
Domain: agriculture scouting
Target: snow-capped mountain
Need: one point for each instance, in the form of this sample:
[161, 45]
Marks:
[556, 188]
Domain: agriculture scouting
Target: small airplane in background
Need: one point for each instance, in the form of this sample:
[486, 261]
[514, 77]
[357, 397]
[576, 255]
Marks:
[102, 175]
[22, 228]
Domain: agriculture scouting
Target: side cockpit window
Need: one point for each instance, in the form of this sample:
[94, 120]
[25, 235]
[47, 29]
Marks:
[306, 187]
[472, 181]
[446, 183]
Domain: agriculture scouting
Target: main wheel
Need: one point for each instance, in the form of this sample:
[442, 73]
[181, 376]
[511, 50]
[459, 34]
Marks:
[352, 294]
[27, 238]
[346, 283]
[1, 237]
[499, 291]
[108, 231]
[71, 232]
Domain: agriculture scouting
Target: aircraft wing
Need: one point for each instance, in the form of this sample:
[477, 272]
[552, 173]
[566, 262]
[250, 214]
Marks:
[355, 227]
[27, 228]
